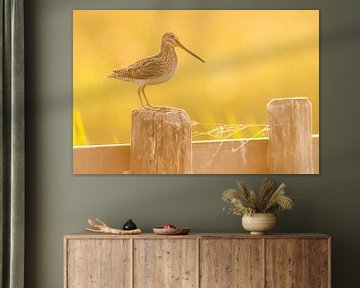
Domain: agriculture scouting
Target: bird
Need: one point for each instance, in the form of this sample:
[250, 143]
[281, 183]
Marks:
[153, 70]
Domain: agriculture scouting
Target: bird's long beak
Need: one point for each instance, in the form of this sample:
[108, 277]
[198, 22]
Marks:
[187, 50]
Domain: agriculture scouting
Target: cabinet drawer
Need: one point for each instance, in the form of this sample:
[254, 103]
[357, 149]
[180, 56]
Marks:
[297, 263]
[230, 263]
[98, 263]
[165, 263]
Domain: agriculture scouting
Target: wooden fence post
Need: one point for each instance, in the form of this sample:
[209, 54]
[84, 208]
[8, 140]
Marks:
[290, 136]
[160, 141]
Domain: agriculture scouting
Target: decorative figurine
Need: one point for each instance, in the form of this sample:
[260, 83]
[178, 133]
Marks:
[129, 225]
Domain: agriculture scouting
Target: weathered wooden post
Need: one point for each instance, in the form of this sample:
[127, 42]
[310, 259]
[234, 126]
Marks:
[290, 136]
[160, 141]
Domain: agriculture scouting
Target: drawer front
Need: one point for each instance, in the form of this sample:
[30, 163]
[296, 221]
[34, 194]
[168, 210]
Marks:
[320, 263]
[230, 263]
[98, 263]
[297, 263]
[165, 263]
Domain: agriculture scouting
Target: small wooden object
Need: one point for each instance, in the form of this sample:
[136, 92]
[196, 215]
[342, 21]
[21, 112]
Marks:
[171, 231]
[160, 141]
[290, 148]
[101, 227]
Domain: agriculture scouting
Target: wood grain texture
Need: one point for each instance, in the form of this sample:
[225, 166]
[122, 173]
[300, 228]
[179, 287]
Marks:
[319, 263]
[231, 263]
[197, 260]
[246, 156]
[88, 235]
[287, 263]
[160, 141]
[165, 263]
[290, 136]
[101, 159]
[209, 157]
[98, 263]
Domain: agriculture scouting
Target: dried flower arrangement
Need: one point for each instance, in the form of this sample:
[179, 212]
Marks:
[267, 200]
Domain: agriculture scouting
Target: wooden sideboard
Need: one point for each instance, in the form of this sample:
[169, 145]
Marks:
[197, 260]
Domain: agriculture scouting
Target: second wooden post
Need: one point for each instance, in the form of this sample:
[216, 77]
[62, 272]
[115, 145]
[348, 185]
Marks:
[160, 141]
[290, 136]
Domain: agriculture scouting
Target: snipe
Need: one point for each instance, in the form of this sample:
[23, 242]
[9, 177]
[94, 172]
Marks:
[153, 70]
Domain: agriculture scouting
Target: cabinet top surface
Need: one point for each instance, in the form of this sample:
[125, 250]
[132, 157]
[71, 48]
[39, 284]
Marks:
[199, 236]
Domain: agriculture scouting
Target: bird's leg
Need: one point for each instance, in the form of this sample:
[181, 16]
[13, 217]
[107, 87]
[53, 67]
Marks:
[139, 93]
[147, 101]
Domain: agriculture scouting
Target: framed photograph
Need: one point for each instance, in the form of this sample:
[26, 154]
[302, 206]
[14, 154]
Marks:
[196, 92]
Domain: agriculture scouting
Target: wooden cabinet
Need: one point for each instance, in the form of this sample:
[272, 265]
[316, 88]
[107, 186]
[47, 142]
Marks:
[197, 260]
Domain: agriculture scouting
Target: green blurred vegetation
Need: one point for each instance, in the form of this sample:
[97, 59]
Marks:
[251, 57]
[79, 133]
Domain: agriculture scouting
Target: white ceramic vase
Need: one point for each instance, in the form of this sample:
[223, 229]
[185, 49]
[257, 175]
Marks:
[259, 223]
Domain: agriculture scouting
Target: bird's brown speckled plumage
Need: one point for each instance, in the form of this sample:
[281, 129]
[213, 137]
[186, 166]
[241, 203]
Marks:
[149, 68]
[153, 70]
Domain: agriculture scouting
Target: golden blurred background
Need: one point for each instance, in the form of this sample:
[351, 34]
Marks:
[252, 56]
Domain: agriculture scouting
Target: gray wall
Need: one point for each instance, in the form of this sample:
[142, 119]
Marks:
[59, 203]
